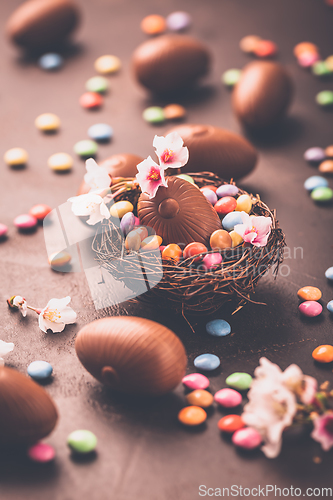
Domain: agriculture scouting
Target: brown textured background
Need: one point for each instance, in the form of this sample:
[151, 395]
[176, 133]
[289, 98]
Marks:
[143, 453]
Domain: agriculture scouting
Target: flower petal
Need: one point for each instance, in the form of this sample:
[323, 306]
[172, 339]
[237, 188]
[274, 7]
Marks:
[68, 315]
[5, 347]
[58, 304]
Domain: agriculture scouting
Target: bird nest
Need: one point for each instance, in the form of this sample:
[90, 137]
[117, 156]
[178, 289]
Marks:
[186, 286]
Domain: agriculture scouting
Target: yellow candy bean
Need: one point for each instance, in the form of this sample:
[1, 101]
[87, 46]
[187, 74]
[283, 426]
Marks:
[60, 162]
[59, 259]
[236, 239]
[151, 242]
[107, 64]
[244, 203]
[47, 122]
[121, 208]
[16, 156]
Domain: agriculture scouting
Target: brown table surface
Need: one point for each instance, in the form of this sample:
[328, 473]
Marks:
[143, 453]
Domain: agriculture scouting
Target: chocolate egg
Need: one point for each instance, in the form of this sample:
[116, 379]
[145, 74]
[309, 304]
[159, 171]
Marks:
[41, 24]
[179, 213]
[118, 166]
[27, 411]
[217, 150]
[263, 94]
[170, 63]
[132, 355]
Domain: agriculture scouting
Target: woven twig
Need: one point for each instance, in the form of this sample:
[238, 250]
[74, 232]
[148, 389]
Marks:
[185, 286]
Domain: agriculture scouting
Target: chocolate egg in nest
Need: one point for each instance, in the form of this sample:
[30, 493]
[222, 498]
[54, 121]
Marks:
[179, 213]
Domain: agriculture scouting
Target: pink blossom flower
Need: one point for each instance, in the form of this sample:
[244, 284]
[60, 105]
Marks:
[323, 430]
[254, 230]
[170, 150]
[150, 176]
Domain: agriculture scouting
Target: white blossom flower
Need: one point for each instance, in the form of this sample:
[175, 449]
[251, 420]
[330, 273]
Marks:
[303, 386]
[21, 304]
[96, 177]
[90, 204]
[5, 348]
[272, 406]
[56, 315]
[170, 150]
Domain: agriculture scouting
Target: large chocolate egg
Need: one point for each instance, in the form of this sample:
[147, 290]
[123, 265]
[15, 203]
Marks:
[217, 150]
[170, 63]
[40, 24]
[132, 355]
[118, 166]
[263, 94]
[27, 412]
[179, 213]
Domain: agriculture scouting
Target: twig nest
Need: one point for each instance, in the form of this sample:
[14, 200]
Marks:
[263, 94]
[42, 24]
[118, 166]
[28, 413]
[170, 63]
[132, 355]
[218, 150]
[179, 213]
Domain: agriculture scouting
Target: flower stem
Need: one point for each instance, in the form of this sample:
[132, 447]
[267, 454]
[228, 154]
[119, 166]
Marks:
[38, 311]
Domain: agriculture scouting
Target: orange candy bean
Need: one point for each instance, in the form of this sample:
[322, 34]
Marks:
[323, 354]
[201, 398]
[309, 293]
[192, 415]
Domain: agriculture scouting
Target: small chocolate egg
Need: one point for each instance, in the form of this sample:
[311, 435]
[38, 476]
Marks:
[225, 205]
[194, 248]
[262, 95]
[174, 211]
[170, 63]
[132, 355]
[127, 223]
[218, 150]
[133, 241]
[27, 411]
[220, 240]
[118, 167]
[40, 24]
[172, 252]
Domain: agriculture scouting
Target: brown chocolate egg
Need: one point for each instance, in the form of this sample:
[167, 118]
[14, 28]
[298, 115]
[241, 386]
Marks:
[170, 63]
[118, 166]
[41, 24]
[27, 411]
[263, 94]
[132, 355]
[217, 150]
[179, 213]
